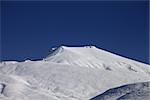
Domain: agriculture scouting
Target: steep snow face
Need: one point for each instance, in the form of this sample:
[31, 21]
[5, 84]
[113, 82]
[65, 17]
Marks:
[69, 73]
[136, 91]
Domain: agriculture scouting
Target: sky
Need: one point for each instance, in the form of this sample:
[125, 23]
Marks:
[29, 29]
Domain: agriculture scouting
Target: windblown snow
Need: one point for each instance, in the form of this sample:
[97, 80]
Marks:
[69, 73]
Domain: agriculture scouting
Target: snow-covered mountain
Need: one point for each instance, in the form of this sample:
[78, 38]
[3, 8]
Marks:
[69, 73]
[136, 91]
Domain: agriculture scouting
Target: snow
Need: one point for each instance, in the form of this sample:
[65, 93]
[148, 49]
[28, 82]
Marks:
[2, 86]
[89, 56]
[136, 91]
[69, 73]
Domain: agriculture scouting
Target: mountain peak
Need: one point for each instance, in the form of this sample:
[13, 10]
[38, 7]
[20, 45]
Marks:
[88, 56]
[81, 55]
[69, 47]
[63, 48]
[68, 50]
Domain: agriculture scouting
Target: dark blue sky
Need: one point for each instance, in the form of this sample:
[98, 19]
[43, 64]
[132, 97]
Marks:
[30, 29]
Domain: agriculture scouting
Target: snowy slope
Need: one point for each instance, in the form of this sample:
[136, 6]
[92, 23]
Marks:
[69, 73]
[136, 91]
[90, 56]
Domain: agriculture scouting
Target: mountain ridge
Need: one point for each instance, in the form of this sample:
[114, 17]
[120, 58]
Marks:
[69, 74]
[63, 47]
[136, 91]
[86, 54]
[53, 49]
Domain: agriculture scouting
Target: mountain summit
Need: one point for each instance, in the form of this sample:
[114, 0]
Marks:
[69, 73]
[87, 56]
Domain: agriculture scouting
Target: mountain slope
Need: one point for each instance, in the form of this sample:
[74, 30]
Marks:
[70, 73]
[136, 91]
[90, 56]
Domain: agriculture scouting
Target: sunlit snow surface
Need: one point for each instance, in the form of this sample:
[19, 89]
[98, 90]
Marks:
[69, 73]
